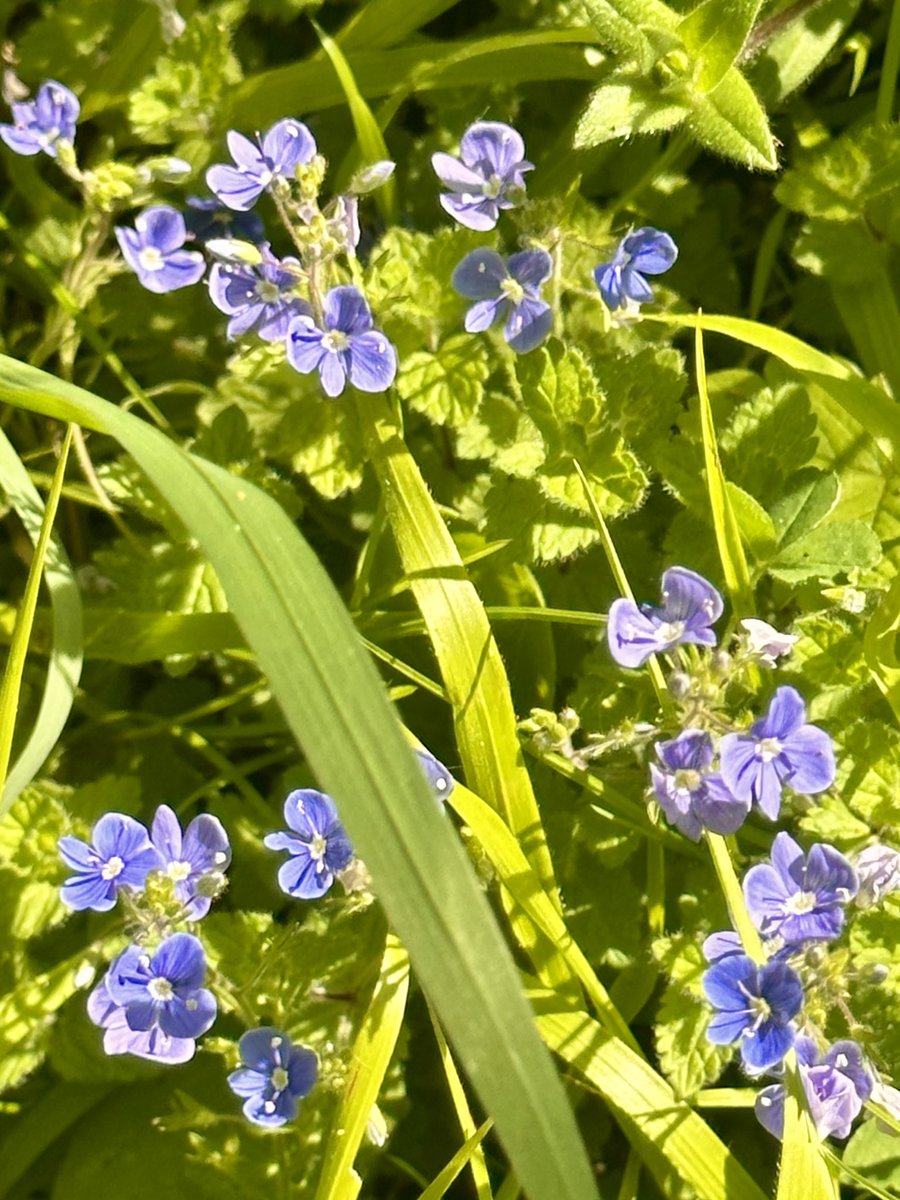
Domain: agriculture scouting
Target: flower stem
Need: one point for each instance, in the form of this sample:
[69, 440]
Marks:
[734, 897]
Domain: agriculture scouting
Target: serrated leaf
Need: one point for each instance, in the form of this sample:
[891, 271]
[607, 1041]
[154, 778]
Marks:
[623, 108]
[446, 386]
[755, 524]
[827, 551]
[809, 497]
[713, 33]
[687, 1057]
[730, 121]
[516, 510]
[320, 439]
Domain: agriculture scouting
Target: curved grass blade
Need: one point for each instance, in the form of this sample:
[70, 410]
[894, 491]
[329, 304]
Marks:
[56, 707]
[371, 1057]
[335, 705]
[66, 649]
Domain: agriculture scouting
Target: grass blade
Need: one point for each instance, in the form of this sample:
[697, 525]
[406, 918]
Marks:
[66, 644]
[439, 1185]
[336, 707]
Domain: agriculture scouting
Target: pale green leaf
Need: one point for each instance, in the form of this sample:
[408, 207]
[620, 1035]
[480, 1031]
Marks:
[730, 121]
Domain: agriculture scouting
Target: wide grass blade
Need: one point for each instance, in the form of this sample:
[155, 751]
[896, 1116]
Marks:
[804, 1174]
[11, 687]
[66, 646]
[336, 707]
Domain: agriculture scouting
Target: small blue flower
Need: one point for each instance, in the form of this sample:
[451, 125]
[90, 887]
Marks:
[39, 125]
[165, 990]
[153, 250]
[318, 846]
[347, 346]
[692, 797]
[691, 605]
[488, 175]
[836, 1084]
[258, 165]
[779, 749]
[120, 855]
[878, 869]
[120, 1038]
[258, 298]
[756, 1004]
[276, 1075]
[509, 291]
[800, 897]
[642, 252]
[208, 218]
[722, 944]
[439, 778]
[189, 859]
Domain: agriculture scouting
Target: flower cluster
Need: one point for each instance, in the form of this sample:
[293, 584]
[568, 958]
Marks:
[705, 778]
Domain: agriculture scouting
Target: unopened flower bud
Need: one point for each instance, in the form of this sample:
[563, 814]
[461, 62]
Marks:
[679, 684]
[372, 177]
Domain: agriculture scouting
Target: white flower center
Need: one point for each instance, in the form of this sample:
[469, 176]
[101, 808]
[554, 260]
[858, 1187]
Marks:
[160, 988]
[513, 290]
[317, 847]
[670, 631]
[151, 259]
[493, 187]
[279, 1079]
[178, 870]
[335, 341]
[268, 292]
[800, 902]
[112, 868]
[687, 780]
[265, 178]
[767, 749]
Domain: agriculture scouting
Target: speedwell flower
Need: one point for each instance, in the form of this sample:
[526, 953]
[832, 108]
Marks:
[347, 346]
[188, 858]
[207, 218]
[318, 846]
[509, 291]
[756, 1005]
[642, 252]
[153, 250]
[765, 643]
[800, 897]
[287, 145]
[39, 125]
[692, 797]
[780, 748]
[439, 778]
[836, 1084]
[276, 1075]
[164, 990]
[690, 606]
[878, 869]
[120, 1038]
[120, 855]
[258, 297]
[488, 175]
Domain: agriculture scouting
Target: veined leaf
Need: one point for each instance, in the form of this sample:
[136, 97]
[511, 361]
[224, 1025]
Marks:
[714, 33]
[730, 121]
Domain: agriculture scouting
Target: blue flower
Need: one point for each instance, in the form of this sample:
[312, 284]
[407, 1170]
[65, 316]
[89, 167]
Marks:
[120, 855]
[836, 1084]
[258, 298]
[208, 218]
[642, 252]
[347, 346]
[722, 944]
[191, 859]
[488, 175]
[318, 846]
[275, 1076]
[690, 606]
[42, 123]
[779, 749]
[800, 897]
[165, 990]
[878, 870]
[153, 250]
[120, 1038]
[692, 797]
[756, 1004]
[439, 778]
[287, 145]
[509, 291]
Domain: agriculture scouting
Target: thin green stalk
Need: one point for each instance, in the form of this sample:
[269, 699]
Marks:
[628, 1189]
[734, 896]
[11, 687]
[887, 84]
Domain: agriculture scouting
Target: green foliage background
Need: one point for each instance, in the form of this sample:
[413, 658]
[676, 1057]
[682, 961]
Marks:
[763, 137]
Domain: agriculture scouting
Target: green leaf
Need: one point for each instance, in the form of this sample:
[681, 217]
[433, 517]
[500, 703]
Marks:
[808, 499]
[881, 646]
[755, 524]
[623, 108]
[335, 705]
[827, 551]
[730, 121]
[874, 1151]
[447, 386]
[687, 1057]
[800, 48]
[516, 510]
[714, 33]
